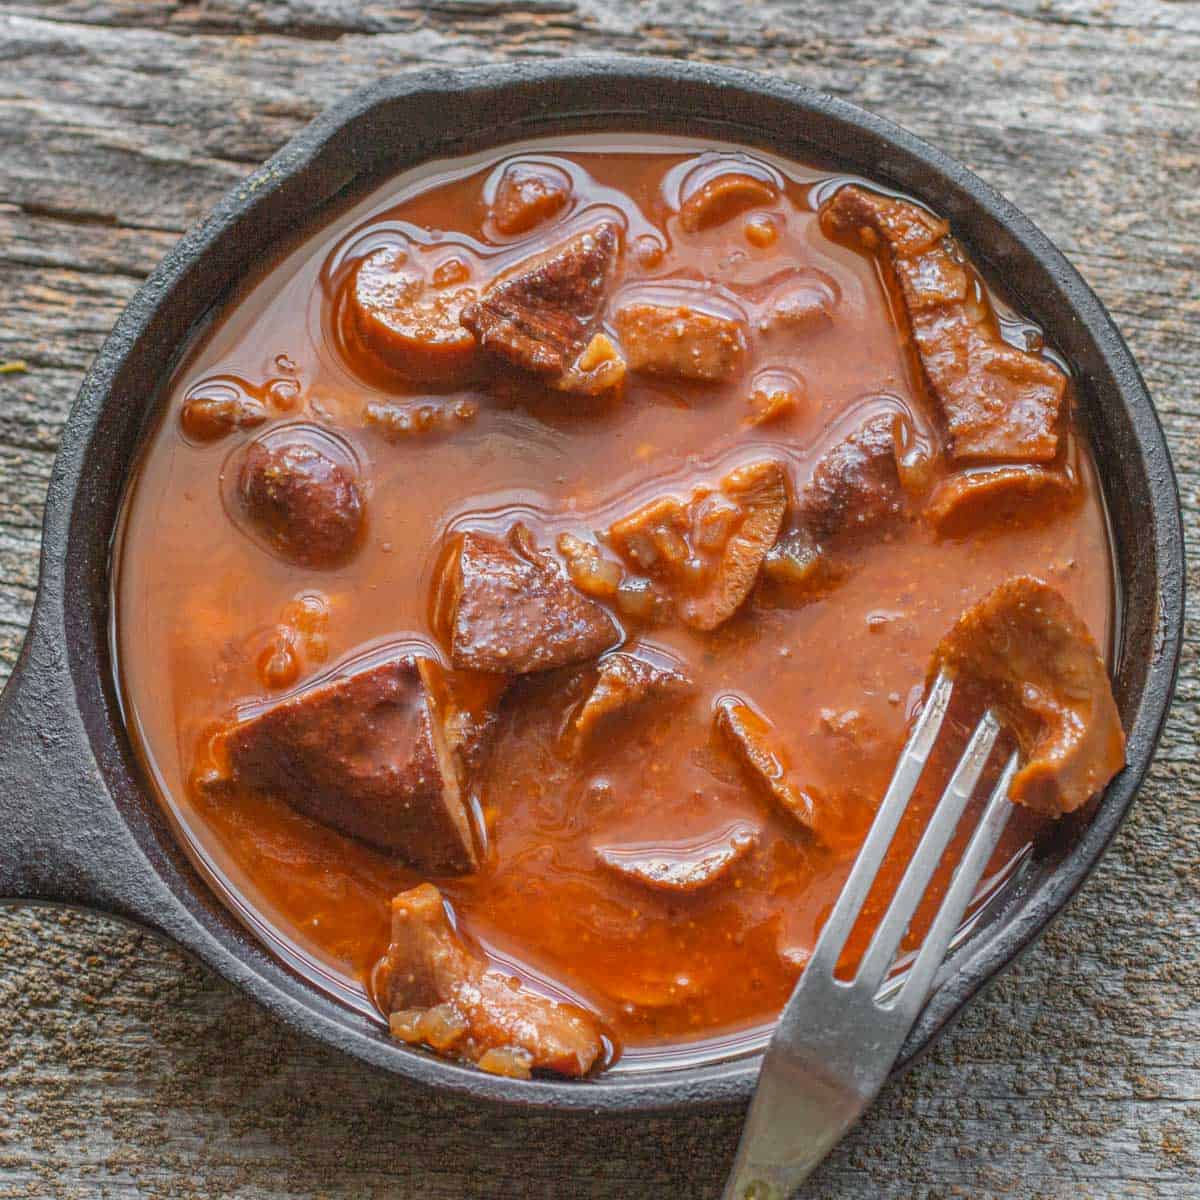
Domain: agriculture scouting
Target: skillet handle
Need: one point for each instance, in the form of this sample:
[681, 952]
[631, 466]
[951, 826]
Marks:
[62, 839]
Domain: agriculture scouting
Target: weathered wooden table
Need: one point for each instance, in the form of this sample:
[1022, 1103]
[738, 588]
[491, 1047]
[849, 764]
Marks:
[126, 1070]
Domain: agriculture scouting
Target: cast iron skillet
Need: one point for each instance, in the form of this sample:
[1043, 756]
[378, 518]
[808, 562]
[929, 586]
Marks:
[80, 823]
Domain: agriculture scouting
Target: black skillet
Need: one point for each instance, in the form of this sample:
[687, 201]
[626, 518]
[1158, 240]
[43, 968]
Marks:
[80, 822]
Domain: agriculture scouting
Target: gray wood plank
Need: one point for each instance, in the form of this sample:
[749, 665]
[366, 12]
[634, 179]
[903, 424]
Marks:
[128, 1071]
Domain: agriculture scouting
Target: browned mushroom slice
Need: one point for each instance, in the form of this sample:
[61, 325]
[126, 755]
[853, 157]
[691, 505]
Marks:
[752, 740]
[723, 197]
[682, 868]
[406, 311]
[735, 542]
[365, 753]
[439, 992]
[543, 318]
[998, 402]
[508, 608]
[708, 549]
[990, 496]
[855, 490]
[856, 485]
[1033, 660]
[623, 683]
[680, 341]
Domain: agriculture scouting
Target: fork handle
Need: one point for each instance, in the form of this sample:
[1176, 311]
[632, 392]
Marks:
[798, 1115]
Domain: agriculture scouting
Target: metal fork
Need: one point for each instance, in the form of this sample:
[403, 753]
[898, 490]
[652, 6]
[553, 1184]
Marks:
[836, 1041]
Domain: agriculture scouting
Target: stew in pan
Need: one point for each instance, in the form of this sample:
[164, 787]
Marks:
[523, 597]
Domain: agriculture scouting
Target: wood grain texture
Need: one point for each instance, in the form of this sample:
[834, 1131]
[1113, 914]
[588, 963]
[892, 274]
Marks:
[128, 1071]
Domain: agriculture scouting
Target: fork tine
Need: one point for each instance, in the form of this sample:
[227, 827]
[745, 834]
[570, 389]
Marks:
[908, 771]
[924, 862]
[836, 1042]
[958, 895]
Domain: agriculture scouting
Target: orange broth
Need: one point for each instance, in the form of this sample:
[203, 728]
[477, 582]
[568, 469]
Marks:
[197, 602]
